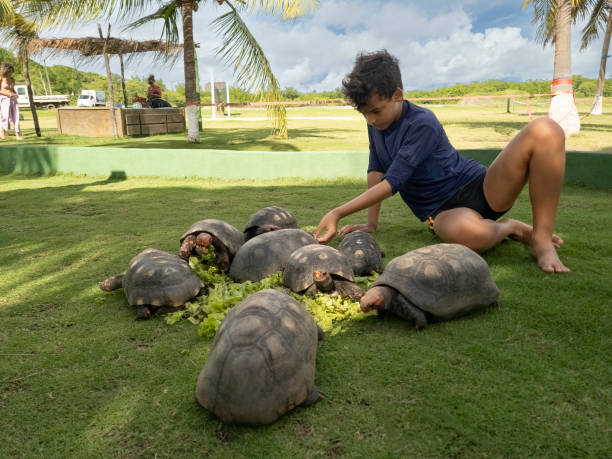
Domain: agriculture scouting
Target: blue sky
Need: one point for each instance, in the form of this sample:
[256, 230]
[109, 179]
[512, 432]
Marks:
[438, 43]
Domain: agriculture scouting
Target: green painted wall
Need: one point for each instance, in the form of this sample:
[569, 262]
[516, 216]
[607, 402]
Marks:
[582, 167]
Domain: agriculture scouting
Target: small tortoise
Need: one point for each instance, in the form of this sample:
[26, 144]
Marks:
[320, 268]
[264, 255]
[225, 239]
[269, 219]
[440, 281]
[155, 281]
[363, 252]
[262, 361]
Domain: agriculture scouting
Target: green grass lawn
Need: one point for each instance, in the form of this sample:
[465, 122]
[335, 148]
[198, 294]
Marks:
[467, 126]
[80, 378]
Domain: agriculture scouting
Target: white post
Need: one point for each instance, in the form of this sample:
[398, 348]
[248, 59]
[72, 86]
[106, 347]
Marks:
[212, 95]
[229, 112]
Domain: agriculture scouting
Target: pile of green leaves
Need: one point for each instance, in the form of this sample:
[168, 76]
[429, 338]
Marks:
[208, 310]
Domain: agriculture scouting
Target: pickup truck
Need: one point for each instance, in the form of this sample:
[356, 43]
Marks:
[49, 102]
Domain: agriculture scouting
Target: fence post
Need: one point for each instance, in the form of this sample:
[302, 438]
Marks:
[508, 105]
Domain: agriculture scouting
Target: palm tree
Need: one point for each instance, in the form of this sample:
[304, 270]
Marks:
[238, 48]
[554, 19]
[600, 18]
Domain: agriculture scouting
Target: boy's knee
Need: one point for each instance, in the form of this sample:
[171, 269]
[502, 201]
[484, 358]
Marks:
[547, 131]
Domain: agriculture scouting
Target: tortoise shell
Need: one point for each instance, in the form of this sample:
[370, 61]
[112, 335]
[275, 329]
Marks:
[297, 274]
[159, 278]
[262, 360]
[363, 252]
[272, 215]
[266, 254]
[229, 235]
[445, 280]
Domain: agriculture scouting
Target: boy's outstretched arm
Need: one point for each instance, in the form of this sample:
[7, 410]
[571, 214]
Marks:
[374, 178]
[328, 226]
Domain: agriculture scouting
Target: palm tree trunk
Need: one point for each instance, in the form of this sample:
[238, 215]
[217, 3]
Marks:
[191, 102]
[125, 100]
[26, 75]
[562, 105]
[597, 108]
[109, 77]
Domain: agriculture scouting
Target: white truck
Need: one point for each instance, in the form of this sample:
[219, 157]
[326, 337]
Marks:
[91, 98]
[50, 102]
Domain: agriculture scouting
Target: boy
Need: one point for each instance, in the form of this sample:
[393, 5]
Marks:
[461, 199]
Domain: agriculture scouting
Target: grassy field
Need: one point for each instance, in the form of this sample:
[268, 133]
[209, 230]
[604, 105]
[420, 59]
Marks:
[80, 378]
[468, 127]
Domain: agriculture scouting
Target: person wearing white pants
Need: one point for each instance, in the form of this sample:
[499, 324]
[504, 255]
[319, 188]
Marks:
[9, 111]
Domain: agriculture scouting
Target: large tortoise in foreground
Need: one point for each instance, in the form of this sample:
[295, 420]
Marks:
[155, 281]
[438, 282]
[262, 361]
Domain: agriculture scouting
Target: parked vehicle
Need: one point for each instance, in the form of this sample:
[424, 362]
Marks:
[50, 102]
[91, 98]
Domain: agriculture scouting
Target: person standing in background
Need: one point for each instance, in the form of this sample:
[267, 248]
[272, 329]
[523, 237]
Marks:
[8, 102]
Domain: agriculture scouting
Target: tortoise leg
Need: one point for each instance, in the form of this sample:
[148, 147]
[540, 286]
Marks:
[222, 256]
[143, 312]
[187, 247]
[348, 289]
[311, 291]
[313, 397]
[320, 333]
[168, 309]
[112, 283]
[406, 310]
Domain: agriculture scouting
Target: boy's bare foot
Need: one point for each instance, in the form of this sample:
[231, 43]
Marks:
[2, 135]
[522, 232]
[18, 136]
[547, 258]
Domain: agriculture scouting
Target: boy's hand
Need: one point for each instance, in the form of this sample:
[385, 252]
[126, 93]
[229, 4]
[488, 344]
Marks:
[328, 226]
[355, 227]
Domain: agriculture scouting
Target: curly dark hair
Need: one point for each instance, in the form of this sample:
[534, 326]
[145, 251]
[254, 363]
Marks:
[5, 68]
[377, 71]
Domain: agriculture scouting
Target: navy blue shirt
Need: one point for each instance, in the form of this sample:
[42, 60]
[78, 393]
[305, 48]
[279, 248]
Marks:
[418, 160]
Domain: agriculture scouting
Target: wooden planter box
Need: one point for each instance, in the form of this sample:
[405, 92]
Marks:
[96, 122]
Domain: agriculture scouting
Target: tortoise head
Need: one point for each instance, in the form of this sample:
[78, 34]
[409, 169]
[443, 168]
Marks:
[323, 280]
[187, 247]
[379, 297]
[202, 241]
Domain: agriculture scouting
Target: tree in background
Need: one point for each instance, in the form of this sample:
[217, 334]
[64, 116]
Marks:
[600, 18]
[239, 48]
[554, 19]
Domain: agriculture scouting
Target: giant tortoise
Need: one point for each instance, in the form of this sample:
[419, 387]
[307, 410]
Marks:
[155, 281]
[262, 361]
[440, 282]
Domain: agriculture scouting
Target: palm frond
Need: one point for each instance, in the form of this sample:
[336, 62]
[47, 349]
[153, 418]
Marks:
[251, 67]
[287, 8]
[6, 12]
[65, 13]
[597, 22]
[169, 14]
[18, 32]
[545, 14]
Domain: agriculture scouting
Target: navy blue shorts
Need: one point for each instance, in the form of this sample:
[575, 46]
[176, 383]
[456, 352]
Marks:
[472, 196]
